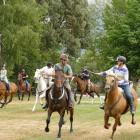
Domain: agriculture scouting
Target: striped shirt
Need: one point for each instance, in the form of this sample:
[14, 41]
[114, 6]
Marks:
[122, 73]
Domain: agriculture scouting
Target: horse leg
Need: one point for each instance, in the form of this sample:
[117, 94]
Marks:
[117, 120]
[80, 98]
[75, 97]
[11, 97]
[19, 95]
[133, 120]
[71, 119]
[42, 96]
[5, 100]
[48, 120]
[36, 100]
[22, 96]
[106, 119]
[29, 94]
[61, 121]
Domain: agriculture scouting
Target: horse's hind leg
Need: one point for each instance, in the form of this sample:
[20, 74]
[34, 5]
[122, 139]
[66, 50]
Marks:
[71, 119]
[48, 120]
[80, 98]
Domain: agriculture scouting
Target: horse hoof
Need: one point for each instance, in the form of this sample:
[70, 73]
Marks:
[71, 130]
[133, 122]
[119, 123]
[106, 126]
[47, 129]
[58, 138]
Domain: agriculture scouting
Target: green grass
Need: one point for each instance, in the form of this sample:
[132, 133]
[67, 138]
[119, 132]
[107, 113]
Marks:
[88, 123]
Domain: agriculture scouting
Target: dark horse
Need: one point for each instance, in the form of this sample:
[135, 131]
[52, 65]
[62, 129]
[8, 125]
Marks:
[58, 102]
[4, 94]
[22, 88]
[82, 88]
[115, 103]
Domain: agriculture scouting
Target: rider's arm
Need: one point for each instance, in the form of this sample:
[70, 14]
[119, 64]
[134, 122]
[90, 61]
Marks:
[105, 73]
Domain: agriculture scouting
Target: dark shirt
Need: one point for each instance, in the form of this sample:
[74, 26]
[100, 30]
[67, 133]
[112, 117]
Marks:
[85, 74]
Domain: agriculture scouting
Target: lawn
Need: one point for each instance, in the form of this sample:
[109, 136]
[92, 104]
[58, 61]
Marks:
[17, 122]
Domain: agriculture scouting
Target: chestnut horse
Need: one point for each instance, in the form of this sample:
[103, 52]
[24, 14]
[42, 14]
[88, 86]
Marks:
[115, 103]
[4, 94]
[82, 88]
[58, 102]
[22, 89]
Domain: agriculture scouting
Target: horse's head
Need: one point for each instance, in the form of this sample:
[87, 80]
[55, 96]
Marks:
[37, 75]
[59, 78]
[110, 82]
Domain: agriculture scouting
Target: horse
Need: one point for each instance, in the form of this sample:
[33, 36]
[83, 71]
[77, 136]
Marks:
[82, 88]
[42, 86]
[116, 103]
[22, 88]
[4, 94]
[58, 102]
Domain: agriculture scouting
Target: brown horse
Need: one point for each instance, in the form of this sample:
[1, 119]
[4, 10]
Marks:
[4, 94]
[82, 88]
[22, 88]
[115, 103]
[58, 102]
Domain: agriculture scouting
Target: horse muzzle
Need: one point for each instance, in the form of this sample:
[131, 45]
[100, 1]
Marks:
[107, 88]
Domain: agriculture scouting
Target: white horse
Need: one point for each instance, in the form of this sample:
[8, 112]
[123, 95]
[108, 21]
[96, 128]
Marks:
[41, 87]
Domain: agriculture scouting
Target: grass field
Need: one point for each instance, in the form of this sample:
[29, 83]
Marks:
[17, 122]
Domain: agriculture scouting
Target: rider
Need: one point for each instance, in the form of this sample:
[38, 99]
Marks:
[86, 76]
[67, 74]
[24, 77]
[3, 77]
[47, 71]
[121, 71]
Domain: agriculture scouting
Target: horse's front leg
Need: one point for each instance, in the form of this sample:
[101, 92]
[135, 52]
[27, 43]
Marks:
[29, 94]
[106, 119]
[5, 100]
[61, 122]
[22, 96]
[36, 100]
[48, 120]
[10, 99]
[117, 121]
[42, 96]
[80, 98]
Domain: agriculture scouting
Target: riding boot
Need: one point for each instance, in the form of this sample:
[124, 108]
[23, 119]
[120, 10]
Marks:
[70, 99]
[7, 87]
[46, 99]
[131, 104]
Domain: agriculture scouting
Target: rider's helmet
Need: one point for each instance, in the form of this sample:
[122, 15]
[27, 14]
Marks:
[64, 57]
[121, 58]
